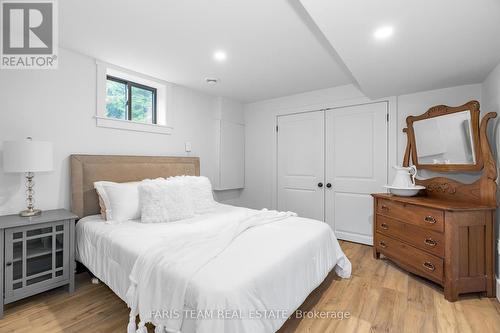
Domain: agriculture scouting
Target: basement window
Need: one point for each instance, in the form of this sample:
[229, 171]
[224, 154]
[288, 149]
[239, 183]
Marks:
[128, 100]
[131, 101]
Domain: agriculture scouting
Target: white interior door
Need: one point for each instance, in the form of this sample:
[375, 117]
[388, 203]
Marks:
[300, 161]
[356, 165]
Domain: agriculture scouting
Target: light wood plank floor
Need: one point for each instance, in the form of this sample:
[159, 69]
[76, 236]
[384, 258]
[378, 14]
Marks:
[379, 297]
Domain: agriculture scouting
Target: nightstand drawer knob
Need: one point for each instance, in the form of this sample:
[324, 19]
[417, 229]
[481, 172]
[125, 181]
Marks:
[382, 244]
[384, 226]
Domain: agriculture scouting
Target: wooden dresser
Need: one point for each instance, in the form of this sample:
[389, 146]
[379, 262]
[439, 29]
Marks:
[446, 233]
[450, 243]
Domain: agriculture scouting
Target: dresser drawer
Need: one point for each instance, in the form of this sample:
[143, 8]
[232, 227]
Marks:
[419, 261]
[422, 238]
[429, 218]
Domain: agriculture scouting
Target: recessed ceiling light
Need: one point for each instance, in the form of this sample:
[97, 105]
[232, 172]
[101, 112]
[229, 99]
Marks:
[384, 32]
[220, 56]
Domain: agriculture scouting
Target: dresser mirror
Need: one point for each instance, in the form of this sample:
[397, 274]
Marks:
[452, 139]
[446, 138]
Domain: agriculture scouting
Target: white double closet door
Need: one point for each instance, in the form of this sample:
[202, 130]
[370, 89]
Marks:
[328, 163]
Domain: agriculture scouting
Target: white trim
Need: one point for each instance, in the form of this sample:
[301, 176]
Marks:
[131, 125]
[101, 89]
[498, 289]
[165, 97]
[357, 238]
[392, 138]
[129, 72]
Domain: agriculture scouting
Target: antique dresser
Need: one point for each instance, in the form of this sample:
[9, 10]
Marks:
[446, 232]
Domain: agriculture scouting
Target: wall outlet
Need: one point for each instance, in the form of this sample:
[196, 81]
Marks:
[187, 146]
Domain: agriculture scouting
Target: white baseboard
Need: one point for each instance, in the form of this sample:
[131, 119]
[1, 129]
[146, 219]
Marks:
[498, 289]
[356, 238]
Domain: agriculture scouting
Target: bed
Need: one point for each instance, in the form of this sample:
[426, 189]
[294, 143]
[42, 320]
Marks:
[260, 278]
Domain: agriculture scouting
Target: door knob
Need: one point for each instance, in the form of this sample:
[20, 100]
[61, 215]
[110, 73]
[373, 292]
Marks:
[320, 184]
[328, 185]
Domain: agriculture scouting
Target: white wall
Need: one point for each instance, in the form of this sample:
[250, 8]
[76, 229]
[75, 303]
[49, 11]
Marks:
[491, 103]
[260, 122]
[59, 106]
[491, 91]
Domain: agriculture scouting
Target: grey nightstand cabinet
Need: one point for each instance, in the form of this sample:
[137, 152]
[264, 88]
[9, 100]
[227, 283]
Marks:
[36, 254]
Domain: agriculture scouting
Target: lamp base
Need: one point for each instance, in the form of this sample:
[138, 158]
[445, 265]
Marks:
[30, 212]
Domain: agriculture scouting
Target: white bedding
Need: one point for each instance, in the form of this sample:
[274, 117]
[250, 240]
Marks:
[280, 262]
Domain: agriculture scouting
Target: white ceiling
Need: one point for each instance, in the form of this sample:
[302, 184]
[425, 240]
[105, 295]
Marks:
[271, 49]
[282, 47]
[436, 43]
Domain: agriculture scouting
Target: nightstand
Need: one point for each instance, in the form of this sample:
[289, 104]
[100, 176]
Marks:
[36, 254]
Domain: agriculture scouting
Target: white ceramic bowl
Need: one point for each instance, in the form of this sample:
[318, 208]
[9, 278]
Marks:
[405, 191]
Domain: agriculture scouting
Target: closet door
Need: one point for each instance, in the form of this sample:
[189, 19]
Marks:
[356, 159]
[300, 161]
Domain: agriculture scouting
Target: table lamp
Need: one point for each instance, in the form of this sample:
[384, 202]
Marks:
[28, 156]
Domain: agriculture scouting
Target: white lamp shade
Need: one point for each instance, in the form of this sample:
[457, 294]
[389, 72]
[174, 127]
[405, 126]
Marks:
[27, 156]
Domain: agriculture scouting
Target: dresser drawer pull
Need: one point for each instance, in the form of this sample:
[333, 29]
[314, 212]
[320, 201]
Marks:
[429, 266]
[384, 207]
[382, 244]
[430, 219]
[430, 242]
[384, 226]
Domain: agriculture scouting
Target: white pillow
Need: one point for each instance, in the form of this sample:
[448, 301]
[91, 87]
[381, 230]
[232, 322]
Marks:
[200, 192]
[164, 201]
[121, 200]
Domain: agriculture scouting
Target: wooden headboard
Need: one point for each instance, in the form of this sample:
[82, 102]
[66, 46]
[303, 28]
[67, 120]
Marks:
[87, 169]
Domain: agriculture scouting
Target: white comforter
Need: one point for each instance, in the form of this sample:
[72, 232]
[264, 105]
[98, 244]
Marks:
[263, 274]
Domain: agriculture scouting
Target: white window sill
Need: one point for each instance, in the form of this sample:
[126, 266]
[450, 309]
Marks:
[132, 125]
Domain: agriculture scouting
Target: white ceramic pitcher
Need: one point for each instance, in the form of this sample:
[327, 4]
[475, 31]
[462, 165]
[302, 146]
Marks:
[405, 177]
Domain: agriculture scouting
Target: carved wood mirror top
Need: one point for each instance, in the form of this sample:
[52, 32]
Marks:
[446, 138]
[478, 155]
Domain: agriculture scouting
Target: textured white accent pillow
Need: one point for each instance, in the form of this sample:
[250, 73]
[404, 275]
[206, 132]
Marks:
[120, 199]
[164, 201]
[200, 192]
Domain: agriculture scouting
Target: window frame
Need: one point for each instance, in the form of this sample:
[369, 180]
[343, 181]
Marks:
[129, 84]
[165, 100]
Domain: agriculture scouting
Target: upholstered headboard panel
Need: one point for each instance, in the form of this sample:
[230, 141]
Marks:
[87, 169]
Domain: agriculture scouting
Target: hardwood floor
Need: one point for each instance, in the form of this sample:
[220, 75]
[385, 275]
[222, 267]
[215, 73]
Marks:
[379, 298]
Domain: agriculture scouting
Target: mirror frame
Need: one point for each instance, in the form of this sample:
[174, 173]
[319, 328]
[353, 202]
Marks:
[441, 110]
